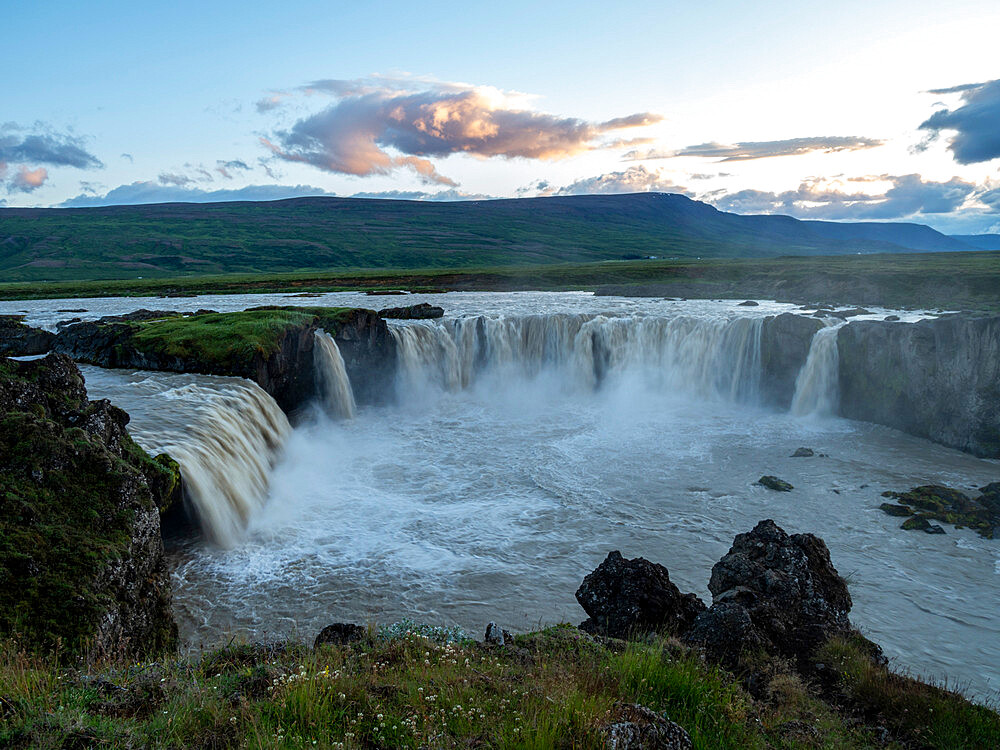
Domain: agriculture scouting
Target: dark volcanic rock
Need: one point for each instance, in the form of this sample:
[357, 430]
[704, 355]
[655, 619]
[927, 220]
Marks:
[626, 598]
[793, 597]
[635, 727]
[900, 511]
[940, 503]
[19, 340]
[803, 453]
[773, 483]
[937, 379]
[423, 311]
[749, 303]
[784, 346]
[81, 559]
[340, 634]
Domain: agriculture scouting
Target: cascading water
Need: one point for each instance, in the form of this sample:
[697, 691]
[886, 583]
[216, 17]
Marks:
[816, 390]
[710, 357]
[335, 386]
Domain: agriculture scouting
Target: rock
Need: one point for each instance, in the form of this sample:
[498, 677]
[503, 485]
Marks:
[792, 597]
[773, 483]
[936, 379]
[627, 598]
[423, 311]
[850, 313]
[891, 318]
[749, 303]
[340, 634]
[900, 511]
[496, 636]
[803, 453]
[20, 340]
[916, 523]
[635, 727]
[784, 346]
[934, 529]
[82, 556]
[384, 292]
[940, 503]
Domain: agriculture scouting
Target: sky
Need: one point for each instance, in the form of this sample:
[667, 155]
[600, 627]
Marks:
[877, 110]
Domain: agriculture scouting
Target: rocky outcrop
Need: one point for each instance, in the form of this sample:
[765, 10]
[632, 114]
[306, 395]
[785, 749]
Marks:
[282, 365]
[935, 502]
[18, 339]
[81, 561]
[635, 727]
[784, 347]
[626, 598]
[772, 592]
[340, 634]
[423, 311]
[937, 379]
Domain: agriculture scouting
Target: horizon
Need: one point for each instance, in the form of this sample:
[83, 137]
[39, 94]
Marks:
[876, 114]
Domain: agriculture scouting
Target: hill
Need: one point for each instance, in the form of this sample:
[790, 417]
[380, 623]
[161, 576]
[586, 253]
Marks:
[979, 241]
[179, 239]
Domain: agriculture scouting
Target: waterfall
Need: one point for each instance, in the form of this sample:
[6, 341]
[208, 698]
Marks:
[816, 390]
[334, 385]
[710, 357]
[226, 456]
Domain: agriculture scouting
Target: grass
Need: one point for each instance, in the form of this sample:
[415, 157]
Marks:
[227, 337]
[557, 688]
[946, 280]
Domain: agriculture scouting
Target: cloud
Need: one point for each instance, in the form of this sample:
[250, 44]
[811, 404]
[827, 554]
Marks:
[128, 158]
[379, 125]
[169, 178]
[761, 149]
[271, 102]
[419, 195]
[26, 181]
[45, 147]
[636, 179]
[908, 195]
[975, 124]
[152, 192]
[226, 168]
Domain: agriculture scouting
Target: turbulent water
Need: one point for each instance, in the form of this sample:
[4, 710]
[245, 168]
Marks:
[535, 432]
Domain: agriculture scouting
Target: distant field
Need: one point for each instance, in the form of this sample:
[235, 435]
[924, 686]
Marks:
[938, 280]
[340, 234]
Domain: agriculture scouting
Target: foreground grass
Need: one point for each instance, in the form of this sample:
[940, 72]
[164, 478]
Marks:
[553, 689]
[947, 280]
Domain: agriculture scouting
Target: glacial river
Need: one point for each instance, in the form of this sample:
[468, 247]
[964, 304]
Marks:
[487, 492]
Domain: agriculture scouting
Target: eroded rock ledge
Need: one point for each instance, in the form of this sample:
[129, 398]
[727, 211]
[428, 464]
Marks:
[81, 557]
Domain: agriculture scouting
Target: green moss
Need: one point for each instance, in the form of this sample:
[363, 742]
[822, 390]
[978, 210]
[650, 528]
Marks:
[228, 341]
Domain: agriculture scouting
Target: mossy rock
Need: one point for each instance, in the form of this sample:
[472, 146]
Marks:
[892, 509]
[774, 483]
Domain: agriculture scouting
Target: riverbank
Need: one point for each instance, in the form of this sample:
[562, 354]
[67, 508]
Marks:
[951, 281]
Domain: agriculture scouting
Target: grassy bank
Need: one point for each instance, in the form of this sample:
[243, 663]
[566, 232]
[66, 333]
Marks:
[946, 280]
[411, 687]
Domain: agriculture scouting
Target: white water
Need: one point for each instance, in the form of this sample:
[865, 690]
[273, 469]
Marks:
[816, 390]
[226, 434]
[522, 450]
[335, 387]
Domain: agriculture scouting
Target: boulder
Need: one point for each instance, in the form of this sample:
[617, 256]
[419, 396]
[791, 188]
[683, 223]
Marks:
[748, 303]
[340, 634]
[496, 636]
[792, 596]
[19, 340]
[628, 598]
[773, 483]
[635, 727]
[423, 311]
[900, 511]
[803, 453]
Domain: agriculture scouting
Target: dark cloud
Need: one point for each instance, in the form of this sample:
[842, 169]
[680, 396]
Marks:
[761, 149]
[153, 192]
[44, 146]
[909, 195]
[370, 118]
[28, 180]
[975, 124]
[420, 195]
[636, 179]
[226, 168]
[171, 178]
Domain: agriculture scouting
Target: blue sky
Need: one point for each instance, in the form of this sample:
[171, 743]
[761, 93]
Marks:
[848, 110]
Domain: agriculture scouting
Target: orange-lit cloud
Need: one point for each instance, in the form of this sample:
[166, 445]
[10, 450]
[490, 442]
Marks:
[372, 119]
[27, 180]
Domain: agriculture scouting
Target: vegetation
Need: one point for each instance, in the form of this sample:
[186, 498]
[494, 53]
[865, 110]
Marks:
[325, 233]
[937, 280]
[228, 339]
[556, 688]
